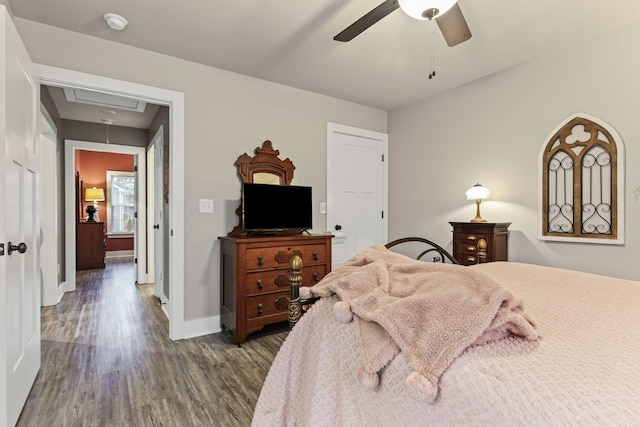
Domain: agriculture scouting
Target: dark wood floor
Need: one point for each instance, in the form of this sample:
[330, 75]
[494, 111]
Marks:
[107, 361]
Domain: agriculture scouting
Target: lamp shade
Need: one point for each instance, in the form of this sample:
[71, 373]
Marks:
[424, 9]
[478, 192]
[94, 194]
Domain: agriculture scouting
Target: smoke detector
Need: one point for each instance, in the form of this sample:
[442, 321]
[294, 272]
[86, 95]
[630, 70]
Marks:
[115, 21]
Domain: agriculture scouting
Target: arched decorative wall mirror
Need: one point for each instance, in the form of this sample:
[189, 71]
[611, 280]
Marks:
[265, 167]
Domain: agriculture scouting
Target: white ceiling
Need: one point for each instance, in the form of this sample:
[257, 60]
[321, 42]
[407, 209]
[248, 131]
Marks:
[291, 42]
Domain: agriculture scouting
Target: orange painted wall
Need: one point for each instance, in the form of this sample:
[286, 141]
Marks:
[92, 167]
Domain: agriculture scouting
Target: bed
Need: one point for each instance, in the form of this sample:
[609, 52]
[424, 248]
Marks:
[583, 369]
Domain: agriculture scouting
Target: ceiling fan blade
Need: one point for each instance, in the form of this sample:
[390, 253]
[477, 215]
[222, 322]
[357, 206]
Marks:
[453, 26]
[367, 20]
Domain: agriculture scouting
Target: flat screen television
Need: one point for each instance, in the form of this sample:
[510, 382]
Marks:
[272, 208]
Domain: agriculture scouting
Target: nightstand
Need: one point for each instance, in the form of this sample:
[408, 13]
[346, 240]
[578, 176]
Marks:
[478, 242]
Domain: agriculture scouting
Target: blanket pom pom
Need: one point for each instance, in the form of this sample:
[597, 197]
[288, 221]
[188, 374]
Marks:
[342, 312]
[368, 379]
[305, 292]
[424, 389]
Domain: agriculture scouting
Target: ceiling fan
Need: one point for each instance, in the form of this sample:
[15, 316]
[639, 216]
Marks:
[446, 13]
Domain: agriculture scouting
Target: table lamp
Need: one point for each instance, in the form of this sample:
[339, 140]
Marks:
[94, 195]
[478, 192]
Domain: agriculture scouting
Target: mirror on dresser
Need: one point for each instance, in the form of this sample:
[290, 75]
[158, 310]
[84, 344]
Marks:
[265, 167]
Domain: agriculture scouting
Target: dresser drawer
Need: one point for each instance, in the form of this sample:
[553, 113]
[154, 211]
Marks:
[261, 282]
[266, 305]
[467, 248]
[470, 238]
[277, 257]
[468, 259]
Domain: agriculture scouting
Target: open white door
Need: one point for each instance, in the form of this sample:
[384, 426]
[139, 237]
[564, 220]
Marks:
[158, 215]
[150, 213]
[140, 220]
[356, 190]
[51, 291]
[19, 225]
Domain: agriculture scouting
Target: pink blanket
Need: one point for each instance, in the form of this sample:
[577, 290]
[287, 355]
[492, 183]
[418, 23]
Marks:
[430, 311]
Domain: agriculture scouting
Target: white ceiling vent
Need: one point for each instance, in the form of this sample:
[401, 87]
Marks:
[104, 100]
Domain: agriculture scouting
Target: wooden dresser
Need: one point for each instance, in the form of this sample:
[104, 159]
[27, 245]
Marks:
[255, 278]
[91, 245]
[471, 237]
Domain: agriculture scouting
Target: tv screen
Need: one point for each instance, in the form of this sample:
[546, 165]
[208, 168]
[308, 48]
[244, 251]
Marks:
[276, 207]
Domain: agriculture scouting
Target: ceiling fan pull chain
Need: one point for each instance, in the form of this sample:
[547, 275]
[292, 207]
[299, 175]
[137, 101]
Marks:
[432, 53]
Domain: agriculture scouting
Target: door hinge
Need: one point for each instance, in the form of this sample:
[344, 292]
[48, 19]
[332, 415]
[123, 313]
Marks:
[135, 214]
[382, 214]
[135, 168]
[383, 157]
[135, 261]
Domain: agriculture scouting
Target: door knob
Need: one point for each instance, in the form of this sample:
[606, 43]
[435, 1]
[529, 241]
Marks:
[338, 227]
[20, 247]
[156, 226]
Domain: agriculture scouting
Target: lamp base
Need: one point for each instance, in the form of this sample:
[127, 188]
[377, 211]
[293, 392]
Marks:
[92, 213]
[478, 218]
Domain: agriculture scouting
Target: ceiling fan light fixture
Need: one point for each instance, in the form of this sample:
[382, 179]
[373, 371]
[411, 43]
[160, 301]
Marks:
[425, 9]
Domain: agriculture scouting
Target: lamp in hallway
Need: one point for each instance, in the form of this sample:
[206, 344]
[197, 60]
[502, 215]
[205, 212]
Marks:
[94, 195]
[478, 193]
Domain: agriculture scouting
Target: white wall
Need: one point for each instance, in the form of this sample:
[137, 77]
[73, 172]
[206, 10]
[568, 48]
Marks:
[226, 114]
[491, 131]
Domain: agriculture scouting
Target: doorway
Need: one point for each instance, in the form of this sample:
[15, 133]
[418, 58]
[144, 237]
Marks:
[54, 76]
[71, 147]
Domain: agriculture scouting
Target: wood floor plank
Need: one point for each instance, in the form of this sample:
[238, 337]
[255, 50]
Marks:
[107, 361]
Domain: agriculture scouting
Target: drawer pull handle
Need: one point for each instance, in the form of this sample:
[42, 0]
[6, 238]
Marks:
[260, 285]
[282, 280]
[315, 255]
[471, 259]
[284, 257]
[282, 303]
[259, 309]
[260, 262]
[315, 277]
[471, 248]
[471, 237]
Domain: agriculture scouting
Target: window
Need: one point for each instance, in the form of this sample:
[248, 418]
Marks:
[582, 169]
[120, 202]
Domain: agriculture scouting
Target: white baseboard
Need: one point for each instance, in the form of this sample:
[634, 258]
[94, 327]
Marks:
[200, 327]
[66, 287]
[118, 254]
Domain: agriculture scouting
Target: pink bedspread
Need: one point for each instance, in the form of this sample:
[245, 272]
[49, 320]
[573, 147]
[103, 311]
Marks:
[429, 311]
[584, 372]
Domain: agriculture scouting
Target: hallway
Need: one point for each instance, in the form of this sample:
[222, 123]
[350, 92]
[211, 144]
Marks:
[107, 360]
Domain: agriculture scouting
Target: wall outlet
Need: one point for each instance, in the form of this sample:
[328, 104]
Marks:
[206, 206]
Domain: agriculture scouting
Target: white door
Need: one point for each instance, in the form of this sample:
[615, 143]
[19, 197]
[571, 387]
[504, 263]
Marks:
[356, 189]
[19, 224]
[138, 277]
[150, 213]
[51, 291]
[158, 215]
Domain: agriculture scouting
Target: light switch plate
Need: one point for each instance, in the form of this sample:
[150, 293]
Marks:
[323, 207]
[206, 206]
